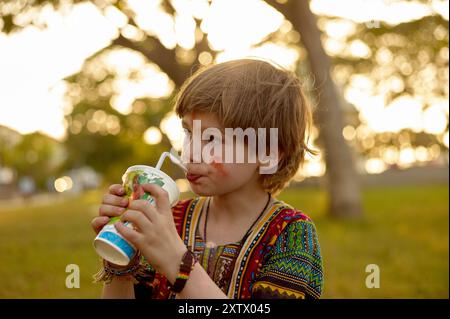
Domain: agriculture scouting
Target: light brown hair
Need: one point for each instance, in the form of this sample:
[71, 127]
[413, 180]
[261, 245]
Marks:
[252, 93]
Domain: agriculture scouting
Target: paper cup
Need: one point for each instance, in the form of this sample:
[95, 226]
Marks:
[109, 244]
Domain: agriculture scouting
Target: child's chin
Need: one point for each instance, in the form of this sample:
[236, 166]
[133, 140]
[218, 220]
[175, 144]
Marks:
[201, 191]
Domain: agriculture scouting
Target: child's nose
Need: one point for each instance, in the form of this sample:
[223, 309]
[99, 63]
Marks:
[188, 152]
[192, 151]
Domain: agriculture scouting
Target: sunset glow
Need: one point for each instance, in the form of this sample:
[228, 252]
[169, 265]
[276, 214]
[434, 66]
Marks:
[34, 63]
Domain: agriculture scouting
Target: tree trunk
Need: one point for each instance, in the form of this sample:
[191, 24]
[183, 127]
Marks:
[342, 179]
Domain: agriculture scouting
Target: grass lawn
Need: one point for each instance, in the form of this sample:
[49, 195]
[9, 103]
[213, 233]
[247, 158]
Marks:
[404, 231]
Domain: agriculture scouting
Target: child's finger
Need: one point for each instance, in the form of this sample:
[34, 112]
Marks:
[114, 200]
[98, 222]
[117, 189]
[110, 210]
[160, 195]
[137, 218]
[144, 207]
[129, 234]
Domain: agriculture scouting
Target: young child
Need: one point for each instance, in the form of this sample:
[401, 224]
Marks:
[235, 240]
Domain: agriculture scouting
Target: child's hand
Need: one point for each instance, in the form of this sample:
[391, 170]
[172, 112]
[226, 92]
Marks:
[113, 204]
[155, 234]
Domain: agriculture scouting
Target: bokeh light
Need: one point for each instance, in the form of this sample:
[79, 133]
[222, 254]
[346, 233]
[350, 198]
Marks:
[379, 101]
[183, 185]
[171, 126]
[63, 184]
[152, 135]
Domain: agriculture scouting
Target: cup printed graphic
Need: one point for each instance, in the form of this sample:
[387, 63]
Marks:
[109, 244]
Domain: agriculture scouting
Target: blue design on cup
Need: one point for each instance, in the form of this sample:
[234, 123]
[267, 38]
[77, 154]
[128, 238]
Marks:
[118, 242]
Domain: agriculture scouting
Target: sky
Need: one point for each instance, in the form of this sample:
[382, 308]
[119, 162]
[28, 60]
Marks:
[33, 62]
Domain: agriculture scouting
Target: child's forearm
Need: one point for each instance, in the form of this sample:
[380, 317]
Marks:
[200, 286]
[118, 289]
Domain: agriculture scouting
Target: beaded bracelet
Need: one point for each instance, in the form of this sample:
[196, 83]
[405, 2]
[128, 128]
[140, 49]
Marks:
[138, 269]
[187, 264]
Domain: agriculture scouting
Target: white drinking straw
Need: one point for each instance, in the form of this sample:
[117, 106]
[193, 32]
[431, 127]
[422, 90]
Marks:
[175, 159]
[161, 160]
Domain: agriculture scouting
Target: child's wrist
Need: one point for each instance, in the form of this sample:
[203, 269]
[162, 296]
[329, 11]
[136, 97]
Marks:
[134, 271]
[174, 265]
[177, 282]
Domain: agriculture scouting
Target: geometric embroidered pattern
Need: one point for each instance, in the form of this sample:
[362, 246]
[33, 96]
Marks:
[282, 260]
[294, 263]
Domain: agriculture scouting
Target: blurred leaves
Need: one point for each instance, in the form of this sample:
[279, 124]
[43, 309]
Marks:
[34, 155]
[414, 53]
[409, 58]
[103, 138]
[17, 14]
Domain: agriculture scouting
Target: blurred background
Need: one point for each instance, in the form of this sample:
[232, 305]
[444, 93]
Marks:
[87, 88]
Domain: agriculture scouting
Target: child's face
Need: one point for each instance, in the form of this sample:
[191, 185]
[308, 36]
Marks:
[219, 176]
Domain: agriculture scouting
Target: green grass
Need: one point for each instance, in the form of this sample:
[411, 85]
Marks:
[404, 231]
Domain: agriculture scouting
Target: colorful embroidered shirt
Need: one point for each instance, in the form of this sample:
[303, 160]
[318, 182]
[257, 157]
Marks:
[279, 259]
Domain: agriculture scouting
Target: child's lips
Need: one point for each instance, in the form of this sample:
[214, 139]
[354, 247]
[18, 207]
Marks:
[192, 177]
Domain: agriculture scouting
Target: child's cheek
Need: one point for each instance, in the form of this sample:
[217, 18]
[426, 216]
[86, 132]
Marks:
[219, 167]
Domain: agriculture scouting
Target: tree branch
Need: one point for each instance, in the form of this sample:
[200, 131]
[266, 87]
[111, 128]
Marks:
[154, 51]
